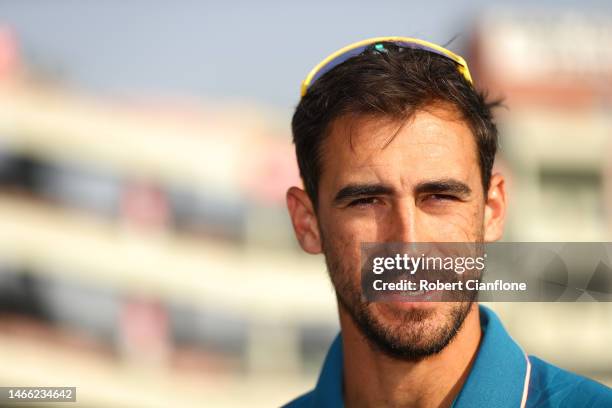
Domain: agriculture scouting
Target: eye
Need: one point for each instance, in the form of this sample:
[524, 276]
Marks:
[441, 198]
[363, 202]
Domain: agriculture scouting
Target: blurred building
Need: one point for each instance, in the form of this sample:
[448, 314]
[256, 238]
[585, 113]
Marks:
[145, 245]
[554, 71]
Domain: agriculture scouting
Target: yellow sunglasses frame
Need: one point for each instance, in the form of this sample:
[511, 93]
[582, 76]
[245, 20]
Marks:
[463, 68]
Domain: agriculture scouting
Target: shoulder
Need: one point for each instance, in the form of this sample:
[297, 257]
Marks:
[551, 386]
[302, 401]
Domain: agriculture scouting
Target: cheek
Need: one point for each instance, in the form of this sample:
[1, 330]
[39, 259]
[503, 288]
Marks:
[353, 226]
[464, 224]
[343, 255]
[363, 226]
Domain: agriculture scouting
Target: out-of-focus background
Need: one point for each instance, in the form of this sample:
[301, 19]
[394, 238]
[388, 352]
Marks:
[146, 256]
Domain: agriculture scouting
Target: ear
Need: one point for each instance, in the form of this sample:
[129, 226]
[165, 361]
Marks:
[495, 209]
[304, 220]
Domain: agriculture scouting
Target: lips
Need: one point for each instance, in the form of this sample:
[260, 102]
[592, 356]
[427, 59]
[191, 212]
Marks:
[399, 273]
[411, 296]
[403, 287]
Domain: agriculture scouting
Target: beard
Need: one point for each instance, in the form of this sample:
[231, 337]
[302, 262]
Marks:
[410, 335]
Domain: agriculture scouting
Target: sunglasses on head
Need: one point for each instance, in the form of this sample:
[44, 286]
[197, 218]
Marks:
[352, 50]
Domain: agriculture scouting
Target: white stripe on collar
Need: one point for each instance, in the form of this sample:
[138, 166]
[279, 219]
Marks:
[527, 377]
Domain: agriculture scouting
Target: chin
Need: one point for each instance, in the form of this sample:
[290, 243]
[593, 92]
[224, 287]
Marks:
[414, 331]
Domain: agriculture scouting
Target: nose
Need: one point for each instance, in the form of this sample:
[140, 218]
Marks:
[403, 223]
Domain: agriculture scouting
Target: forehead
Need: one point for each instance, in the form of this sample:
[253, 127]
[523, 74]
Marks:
[433, 142]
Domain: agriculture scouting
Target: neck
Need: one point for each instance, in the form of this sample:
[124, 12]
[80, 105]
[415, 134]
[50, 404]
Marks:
[372, 378]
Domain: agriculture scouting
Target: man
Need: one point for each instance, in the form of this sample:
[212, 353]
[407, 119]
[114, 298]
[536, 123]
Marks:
[394, 144]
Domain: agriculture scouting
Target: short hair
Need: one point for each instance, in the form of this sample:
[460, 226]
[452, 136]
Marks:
[390, 81]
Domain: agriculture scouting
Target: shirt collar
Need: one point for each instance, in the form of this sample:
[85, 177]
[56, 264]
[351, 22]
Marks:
[499, 376]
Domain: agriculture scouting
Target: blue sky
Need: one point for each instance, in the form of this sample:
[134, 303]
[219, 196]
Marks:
[234, 49]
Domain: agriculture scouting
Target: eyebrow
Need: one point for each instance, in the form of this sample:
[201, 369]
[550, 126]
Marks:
[448, 186]
[360, 190]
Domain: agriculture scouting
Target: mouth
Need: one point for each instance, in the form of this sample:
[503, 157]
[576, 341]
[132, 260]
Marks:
[413, 298]
[408, 289]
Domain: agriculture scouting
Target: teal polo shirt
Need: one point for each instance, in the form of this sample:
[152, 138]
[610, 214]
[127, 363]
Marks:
[502, 376]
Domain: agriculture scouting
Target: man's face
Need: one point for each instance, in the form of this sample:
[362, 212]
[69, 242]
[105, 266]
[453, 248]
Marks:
[398, 181]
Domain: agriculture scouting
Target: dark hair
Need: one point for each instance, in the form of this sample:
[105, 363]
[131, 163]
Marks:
[394, 82]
